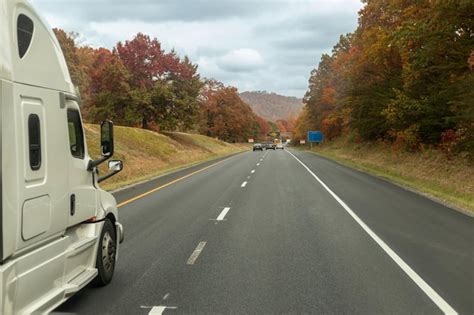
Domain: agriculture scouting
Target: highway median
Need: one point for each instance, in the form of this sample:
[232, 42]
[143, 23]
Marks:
[147, 154]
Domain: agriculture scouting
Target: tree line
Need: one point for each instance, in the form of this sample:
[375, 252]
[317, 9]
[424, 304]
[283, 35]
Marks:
[139, 84]
[405, 76]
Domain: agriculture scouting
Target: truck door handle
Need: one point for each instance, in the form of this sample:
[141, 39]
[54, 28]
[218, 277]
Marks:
[73, 204]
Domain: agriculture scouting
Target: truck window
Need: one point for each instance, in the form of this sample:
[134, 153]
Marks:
[34, 141]
[24, 33]
[76, 135]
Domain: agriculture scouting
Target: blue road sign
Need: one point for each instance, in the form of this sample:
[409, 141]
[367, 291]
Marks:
[315, 136]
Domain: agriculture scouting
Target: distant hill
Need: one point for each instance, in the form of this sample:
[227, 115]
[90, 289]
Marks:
[272, 106]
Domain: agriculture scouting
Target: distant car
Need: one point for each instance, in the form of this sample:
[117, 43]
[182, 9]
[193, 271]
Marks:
[270, 146]
[257, 146]
[280, 146]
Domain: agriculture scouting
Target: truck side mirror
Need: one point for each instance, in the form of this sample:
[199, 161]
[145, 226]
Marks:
[107, 138]
[106, 144]
[115, 165]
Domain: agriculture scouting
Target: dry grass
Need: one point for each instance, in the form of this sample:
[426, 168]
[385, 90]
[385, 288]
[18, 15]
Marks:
[147, 154]
[428, 171]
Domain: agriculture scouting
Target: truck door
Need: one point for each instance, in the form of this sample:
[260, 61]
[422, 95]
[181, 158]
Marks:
[36, 208]
[83, 194]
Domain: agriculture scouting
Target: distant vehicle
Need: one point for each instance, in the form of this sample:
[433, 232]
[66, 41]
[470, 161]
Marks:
[280, 146]
[270, 146]
[59, 230]
[257, 146]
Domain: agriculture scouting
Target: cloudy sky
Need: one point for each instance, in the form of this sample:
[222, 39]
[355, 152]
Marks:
[251, 44]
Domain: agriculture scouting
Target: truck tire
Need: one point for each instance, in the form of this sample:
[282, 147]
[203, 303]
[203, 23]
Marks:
[106, 254]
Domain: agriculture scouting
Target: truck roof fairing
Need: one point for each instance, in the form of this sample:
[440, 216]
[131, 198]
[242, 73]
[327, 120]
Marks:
[43, 64]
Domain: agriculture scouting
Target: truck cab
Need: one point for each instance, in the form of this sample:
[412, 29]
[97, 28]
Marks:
[58, 229]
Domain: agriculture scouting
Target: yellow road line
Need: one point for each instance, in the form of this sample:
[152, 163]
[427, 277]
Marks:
[126, 202]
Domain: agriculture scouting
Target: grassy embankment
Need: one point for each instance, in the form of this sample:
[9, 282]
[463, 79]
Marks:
[147, 154]
[428, 172]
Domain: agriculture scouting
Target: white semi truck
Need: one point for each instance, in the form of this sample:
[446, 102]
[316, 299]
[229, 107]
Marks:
[58, 229]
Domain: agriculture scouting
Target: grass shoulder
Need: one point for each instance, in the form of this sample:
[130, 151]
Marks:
[147, 154]
[427, 172]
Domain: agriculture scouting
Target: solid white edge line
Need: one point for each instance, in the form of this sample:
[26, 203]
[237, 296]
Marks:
[223, 213]
[196, 253]
[429, 291]
[243, 184]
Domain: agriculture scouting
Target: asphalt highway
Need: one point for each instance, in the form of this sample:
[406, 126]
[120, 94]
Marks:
[284, 232]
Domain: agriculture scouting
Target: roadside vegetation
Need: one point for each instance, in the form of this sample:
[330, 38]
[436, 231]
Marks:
[427, 171]
[139, 84]
[147, 154]
[396, 97]
[405, 76]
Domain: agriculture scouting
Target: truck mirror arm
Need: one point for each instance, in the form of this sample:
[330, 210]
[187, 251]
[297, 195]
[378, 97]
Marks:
[115, 166]
[106, 176]
[94, 163]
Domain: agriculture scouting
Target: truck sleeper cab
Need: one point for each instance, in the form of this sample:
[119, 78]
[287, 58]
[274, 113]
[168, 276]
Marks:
[54, 218]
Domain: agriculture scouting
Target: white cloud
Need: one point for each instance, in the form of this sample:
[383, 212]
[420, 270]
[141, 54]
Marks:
[251, 44]
[242, 59]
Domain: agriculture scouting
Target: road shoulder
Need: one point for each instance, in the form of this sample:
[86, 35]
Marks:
[403, 183]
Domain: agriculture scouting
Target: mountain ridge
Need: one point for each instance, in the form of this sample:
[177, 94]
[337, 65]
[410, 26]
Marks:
[272, 106]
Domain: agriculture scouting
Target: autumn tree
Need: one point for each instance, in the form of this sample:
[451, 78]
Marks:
[225, 115]
[303, 124]
[137, 83]
[208, 105]
[185, 86]
[79, 61]
[155, 74]
[77, 70]
[404, 76]
[263, 126]
[110, 89]
[282, 125]
[327, 96]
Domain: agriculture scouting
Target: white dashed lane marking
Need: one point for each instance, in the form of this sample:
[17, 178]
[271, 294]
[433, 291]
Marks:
[158, 310]
[195, 254]
[243, 184]
[223, 213]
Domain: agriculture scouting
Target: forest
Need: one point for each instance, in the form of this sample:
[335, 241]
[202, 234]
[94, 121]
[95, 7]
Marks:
[139, 84]
[405, 77]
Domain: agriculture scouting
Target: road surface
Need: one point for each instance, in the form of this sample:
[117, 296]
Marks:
[284, 232]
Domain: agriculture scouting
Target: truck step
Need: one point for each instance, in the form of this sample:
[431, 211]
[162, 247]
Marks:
[80, 280]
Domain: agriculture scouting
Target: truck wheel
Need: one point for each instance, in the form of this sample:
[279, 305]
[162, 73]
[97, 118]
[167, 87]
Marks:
[106, 254]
